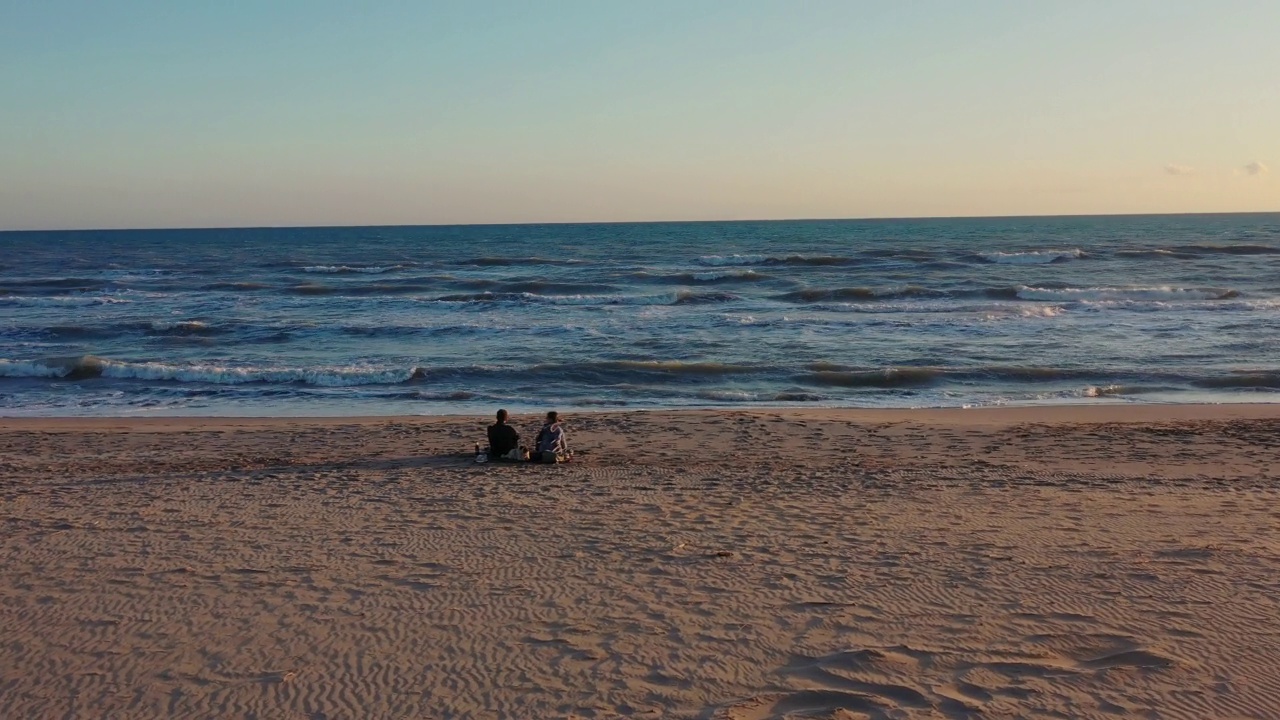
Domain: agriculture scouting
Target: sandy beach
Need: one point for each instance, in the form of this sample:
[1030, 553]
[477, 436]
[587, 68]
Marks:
[1067, 562]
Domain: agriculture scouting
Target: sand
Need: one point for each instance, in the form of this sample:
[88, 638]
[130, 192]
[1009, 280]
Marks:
[1073, 562]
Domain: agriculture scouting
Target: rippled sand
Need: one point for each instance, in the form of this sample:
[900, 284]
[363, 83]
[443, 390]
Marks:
[1068, 562]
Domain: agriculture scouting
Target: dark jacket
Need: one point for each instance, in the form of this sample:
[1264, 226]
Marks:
[502, 439]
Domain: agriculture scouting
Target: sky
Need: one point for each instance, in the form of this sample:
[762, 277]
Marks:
[177, 113]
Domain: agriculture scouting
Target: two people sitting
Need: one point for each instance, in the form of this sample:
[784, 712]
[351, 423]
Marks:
[550, 445]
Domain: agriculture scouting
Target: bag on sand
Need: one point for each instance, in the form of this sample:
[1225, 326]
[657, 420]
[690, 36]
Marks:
[547, 456]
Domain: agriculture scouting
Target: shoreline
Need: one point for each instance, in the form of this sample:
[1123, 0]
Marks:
[1002, 415]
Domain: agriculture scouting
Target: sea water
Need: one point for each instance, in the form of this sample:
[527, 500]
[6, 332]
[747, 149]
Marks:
[462, 319]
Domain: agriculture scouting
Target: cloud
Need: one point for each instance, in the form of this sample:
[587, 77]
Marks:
[1174, 169]
[1255, 168]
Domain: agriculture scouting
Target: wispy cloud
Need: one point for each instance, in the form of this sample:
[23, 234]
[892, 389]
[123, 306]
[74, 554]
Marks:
[1175, 169]
[1255, 168]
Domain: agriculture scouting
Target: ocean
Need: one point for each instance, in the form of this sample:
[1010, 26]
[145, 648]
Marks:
[464, 319]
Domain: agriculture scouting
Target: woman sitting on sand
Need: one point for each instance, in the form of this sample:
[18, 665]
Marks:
[552, 444]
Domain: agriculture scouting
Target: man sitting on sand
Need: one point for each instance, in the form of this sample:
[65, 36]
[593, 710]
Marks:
[503, 439]
[552, 444]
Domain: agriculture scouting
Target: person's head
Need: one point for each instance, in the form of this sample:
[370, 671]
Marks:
[553, 417]
[502, 416]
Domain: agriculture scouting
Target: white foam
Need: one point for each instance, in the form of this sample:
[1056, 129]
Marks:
[1046, 311]
[1024, 311]
[722, 274]
[61, 300]
[727, 395]
[1112, 294]
[370, 269]
[166, 325]
[332, 376]
[583, 299]
[1033, 257]
[323, 377]
[29, 369]
[721, 260]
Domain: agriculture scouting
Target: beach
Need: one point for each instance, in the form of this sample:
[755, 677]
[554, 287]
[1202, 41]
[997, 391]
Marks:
[1058, 561]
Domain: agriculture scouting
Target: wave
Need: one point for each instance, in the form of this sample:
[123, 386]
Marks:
[1191, 252]
[707, 277]
[722, 260]
[794, 260]
[348, 269]
[236, 286]
[832, 374]
[743, 396]
[547, 287]
[66, 284]
[723, 275]
[600, 372]
[403, 287]
[66, 332]
[885, 378]
[607, 372]
[1025, 373]
[681, 297]
[1106, 294]
[1242, 379]
[640, 369]
[1035, 311]
[445, 396]
[182, 327]
[692, 297]
[815, 295]
[91, 366]
[901, 254]
[704, 380]
[1154, 254]
[520, 297]
[505, 261]
[1032, 257]
[1050, 293]
[170, 330]
[496, 290]
[61, 300]
[1115, 390]
[1238, 249]
[1147, 381]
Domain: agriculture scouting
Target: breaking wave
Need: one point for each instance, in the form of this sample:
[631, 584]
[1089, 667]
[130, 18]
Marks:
[886, 378]
[1242, 379]
[504, 261]
[793, 260]
[1242, 249]
[1109, 294]
[347, 269]
[680, 297]
[817, 295]
[237, 286]
[399, 287]
[90, 366]
[61, 300]
[1034, 257]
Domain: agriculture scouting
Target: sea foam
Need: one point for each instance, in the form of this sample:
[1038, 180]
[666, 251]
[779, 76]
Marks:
[1032, 257]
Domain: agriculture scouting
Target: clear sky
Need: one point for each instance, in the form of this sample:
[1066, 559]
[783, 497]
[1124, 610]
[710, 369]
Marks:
[174, 113]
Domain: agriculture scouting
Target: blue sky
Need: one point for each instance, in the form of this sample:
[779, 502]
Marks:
[171, 114]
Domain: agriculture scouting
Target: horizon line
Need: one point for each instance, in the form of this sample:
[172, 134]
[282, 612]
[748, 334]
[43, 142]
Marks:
[869, 218]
